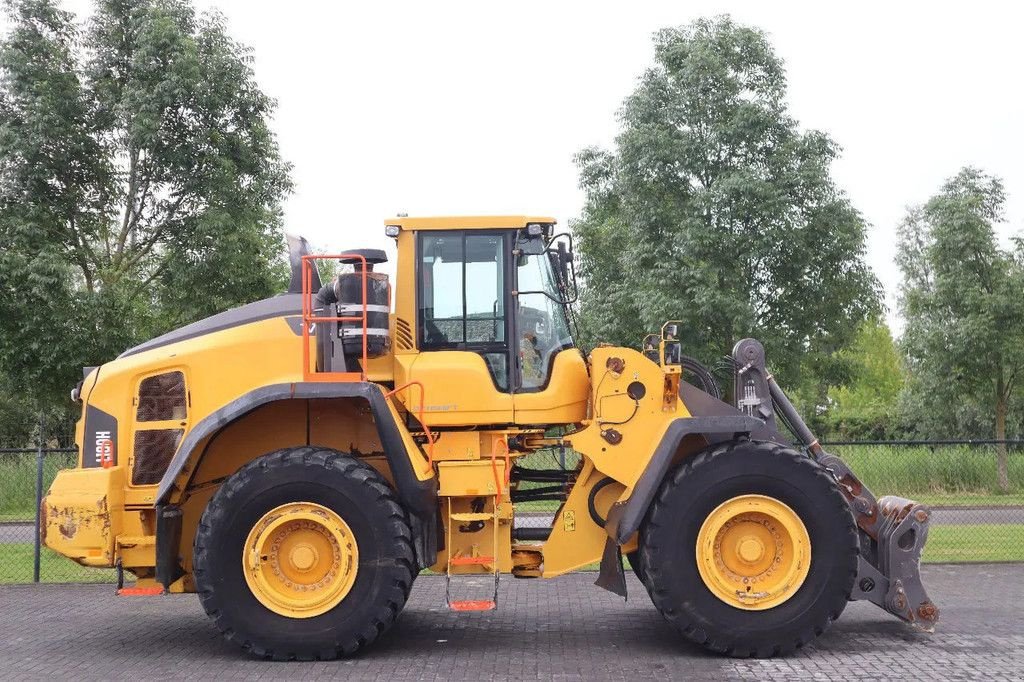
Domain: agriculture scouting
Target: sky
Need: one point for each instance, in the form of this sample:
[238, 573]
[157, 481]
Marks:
[478, 108]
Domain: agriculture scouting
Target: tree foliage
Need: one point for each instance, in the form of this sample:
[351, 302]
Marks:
[715, 209]
[868, 407]
[961, 298]
[140, 183]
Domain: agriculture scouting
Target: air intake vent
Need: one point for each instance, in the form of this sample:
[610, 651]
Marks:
[153, 451]
[161, 398]
[403, 334]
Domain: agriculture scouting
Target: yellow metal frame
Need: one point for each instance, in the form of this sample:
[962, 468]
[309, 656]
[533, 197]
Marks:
[469, 222]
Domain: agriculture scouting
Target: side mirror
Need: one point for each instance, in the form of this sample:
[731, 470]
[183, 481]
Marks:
[564, 260]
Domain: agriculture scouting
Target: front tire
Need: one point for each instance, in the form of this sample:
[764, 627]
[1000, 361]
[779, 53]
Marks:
[749, 549]
[304, 554]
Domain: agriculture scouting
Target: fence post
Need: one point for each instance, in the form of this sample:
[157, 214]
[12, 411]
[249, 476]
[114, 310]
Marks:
[39, 499]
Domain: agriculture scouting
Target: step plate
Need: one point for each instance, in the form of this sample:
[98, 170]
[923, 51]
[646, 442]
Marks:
[473, 605]
[140, 591]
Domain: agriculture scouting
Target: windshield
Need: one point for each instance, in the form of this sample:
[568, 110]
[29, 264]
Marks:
[540, 319]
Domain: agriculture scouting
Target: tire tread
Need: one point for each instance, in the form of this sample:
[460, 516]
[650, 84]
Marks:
[658, 577]
[400, 535]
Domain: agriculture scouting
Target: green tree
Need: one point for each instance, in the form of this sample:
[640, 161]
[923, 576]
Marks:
[961, 298]
[716, 210]
[140, 183]
[868, 406]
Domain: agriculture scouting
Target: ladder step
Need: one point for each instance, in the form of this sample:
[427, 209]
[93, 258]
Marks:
[470, 560]
[473, 605]
[140, 591]
[472, 516]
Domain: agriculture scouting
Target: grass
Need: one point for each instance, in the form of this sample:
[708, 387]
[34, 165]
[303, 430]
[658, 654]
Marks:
[975, 543]
[16, 567]
[971, 500]
[957, 475]
[18, 482]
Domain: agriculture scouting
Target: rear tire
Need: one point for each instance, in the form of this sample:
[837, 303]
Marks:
[337, 482]
[669, 548]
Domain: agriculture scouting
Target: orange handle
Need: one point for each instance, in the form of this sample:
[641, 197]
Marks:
[494, 468]
[419, 415]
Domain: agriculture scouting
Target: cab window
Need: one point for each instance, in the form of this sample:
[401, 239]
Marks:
[462, 296]
[540, 321]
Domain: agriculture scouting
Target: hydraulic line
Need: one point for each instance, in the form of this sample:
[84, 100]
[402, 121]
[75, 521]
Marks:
[542, 475]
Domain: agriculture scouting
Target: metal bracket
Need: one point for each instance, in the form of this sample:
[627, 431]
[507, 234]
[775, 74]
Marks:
[902, 533]
[750, 382]
[870, 584]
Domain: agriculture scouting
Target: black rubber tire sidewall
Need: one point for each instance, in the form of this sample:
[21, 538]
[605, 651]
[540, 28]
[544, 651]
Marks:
[634, 563]
[669, 538]
[355, 492]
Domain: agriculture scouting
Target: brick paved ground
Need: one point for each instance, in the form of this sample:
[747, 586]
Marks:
[560, 629]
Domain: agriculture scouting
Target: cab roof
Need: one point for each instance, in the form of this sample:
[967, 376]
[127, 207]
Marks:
[468, 222]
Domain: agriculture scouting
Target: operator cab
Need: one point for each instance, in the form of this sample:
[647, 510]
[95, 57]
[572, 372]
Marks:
[491, 316]
[468, 280]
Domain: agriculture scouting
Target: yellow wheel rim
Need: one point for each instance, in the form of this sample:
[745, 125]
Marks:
[753, 552]
[300, 560]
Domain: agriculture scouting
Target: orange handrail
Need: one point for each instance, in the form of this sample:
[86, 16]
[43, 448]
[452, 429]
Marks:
[308, 317]
[419, 415]
[494, 468]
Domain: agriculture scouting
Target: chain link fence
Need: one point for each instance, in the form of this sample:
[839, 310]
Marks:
[975, 488]
[26, 473]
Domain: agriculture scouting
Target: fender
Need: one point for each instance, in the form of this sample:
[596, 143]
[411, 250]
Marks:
[625, 517]
[419, 497]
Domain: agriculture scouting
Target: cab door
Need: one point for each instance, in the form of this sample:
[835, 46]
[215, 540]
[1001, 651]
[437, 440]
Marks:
[463, 327]
[551, 383]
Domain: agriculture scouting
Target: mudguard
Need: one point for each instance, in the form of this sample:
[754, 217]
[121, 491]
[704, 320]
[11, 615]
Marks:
[419, 497]
[625, 517]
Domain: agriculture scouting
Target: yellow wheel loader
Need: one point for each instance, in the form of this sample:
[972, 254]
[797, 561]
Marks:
[298, 461]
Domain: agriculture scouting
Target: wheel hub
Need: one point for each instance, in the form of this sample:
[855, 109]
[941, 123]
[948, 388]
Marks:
[300, 559]
[753, 552]
[303, 557]
[750, 549]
